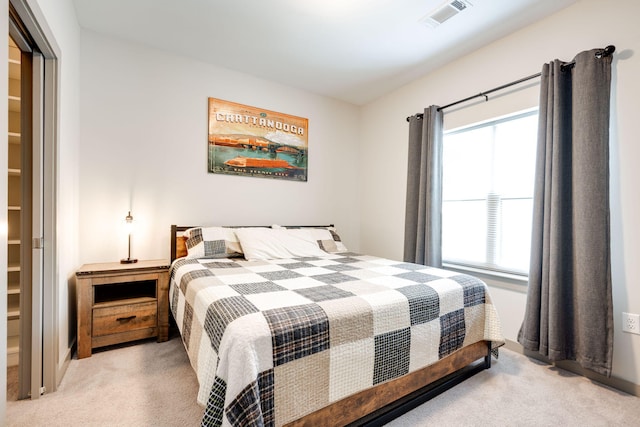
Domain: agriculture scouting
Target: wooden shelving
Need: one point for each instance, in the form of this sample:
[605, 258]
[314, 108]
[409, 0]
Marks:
[14, 214]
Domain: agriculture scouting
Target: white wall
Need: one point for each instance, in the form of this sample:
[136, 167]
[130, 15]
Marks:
[144, 148]
[585, 25]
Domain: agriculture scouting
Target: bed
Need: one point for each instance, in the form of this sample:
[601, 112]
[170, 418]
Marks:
[285, 326]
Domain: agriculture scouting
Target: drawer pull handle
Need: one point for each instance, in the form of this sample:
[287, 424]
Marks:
[125, 319]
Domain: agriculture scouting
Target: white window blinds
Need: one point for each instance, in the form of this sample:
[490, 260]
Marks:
[488, 178]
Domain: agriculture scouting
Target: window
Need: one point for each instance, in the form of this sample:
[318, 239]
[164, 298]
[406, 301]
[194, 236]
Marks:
[488, 178]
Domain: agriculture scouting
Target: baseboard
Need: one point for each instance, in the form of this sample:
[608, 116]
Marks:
[567, 365]
[62, 368]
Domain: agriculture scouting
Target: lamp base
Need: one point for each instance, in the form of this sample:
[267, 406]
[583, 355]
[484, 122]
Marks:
[128, 261]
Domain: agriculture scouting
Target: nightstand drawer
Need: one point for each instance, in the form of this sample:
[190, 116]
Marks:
[122, 318]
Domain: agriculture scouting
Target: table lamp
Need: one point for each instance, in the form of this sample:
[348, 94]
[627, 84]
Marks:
[129, 228]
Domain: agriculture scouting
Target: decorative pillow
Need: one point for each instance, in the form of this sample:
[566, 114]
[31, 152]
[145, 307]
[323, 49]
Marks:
[268, 243]
[181, 246]
[212, 242]
[326, 237]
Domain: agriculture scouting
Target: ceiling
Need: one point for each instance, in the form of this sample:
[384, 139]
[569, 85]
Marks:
[353, 50]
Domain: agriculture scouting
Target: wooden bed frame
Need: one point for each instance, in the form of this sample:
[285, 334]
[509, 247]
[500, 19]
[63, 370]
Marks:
[384, 402]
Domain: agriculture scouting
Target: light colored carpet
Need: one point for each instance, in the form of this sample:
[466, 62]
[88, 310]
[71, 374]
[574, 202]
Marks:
[520, 391]
[153, 384]
[148, 384]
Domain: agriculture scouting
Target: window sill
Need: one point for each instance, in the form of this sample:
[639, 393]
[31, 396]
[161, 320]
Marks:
[499, 279]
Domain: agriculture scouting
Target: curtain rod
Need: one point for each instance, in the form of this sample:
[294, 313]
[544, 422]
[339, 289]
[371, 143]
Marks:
[599, 54]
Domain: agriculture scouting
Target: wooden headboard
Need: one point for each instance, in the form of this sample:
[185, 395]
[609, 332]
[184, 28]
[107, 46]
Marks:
[179, 242]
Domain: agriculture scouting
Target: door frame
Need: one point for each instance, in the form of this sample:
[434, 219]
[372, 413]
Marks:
[45, 324]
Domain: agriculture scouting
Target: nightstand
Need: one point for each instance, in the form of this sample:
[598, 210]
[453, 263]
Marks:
[121, 302]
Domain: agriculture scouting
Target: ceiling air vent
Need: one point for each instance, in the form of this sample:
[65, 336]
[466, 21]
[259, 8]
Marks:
[444, 12]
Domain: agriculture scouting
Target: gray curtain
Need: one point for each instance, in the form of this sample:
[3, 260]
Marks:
[423, 215]
[569, 309]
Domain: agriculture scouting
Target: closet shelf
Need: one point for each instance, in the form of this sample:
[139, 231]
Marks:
[14, 137]
[14, 104]
[14, 69]
[13, 343]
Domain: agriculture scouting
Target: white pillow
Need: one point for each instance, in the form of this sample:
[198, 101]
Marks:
[267, 243]
[212, 242]
[326, 237]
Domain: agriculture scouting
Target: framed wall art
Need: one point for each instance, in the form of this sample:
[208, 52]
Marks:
[254, 142]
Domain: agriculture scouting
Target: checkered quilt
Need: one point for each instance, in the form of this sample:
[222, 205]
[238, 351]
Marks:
[272, 341]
